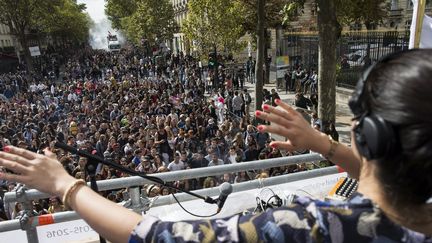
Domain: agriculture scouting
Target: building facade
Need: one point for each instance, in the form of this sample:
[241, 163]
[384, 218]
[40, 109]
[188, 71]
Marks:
[400, 15]
[179, 43]
[6, 39]
[398, 19]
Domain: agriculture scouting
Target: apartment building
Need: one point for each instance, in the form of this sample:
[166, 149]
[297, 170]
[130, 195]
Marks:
[6, 39]
[179, 43]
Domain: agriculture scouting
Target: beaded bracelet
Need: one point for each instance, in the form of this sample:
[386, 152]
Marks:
[77, 184]
[332, 150]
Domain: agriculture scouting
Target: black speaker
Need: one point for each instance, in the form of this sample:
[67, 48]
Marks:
[374, 137]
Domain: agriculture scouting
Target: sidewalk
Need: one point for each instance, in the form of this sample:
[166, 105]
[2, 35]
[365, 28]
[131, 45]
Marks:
[343, 113]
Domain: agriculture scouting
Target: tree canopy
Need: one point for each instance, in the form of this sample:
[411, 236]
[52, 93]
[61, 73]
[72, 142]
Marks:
[367, 12]
[214, 23]
[68, 21]
[272, 10]
[331, 15]
[116, 10]
[56, 18]
[149, 19]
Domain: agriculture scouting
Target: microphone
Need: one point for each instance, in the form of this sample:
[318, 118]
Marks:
[225, 189]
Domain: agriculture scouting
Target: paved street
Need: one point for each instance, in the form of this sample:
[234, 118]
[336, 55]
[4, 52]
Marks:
[343, 114]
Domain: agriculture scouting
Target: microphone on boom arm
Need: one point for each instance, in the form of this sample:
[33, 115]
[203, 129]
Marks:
[225, 188]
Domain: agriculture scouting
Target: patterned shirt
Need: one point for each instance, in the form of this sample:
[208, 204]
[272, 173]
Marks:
[306, 220]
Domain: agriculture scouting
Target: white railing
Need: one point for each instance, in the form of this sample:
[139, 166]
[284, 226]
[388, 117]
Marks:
[140, 204]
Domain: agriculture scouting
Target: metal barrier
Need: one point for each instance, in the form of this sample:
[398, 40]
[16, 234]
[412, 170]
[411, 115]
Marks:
[138, 203]
[180, 175]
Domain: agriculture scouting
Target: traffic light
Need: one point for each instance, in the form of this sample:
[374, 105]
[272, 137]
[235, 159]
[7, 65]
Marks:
[212, 60]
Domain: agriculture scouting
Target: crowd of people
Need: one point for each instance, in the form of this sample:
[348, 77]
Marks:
[151, 115]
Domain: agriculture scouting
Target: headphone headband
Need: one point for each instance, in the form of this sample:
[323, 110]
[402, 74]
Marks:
[374, 137]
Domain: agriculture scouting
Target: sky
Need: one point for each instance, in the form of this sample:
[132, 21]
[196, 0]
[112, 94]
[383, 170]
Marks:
[99, 32]
[96, 9]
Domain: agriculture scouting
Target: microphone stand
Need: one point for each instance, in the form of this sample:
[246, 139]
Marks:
[90, 168]
[94, 160]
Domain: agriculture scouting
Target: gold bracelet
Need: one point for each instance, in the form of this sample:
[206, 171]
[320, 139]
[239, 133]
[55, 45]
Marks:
[66, 197]
[332, 150]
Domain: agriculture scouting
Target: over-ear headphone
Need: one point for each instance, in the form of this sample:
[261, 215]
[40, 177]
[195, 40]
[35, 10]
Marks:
[374, 137]
[274, 201]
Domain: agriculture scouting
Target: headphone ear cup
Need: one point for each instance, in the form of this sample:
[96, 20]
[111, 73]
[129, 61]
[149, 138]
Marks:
[374, 137]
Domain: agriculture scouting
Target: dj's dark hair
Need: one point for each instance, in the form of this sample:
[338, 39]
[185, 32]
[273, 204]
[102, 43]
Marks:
[400, 91]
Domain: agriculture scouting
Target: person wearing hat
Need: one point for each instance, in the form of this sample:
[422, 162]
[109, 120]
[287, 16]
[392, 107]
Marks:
[211, 128]
[176, 164]
[153, 191]
[146, 166]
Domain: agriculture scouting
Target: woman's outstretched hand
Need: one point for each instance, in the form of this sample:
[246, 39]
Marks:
[42, 172]
[287, 122]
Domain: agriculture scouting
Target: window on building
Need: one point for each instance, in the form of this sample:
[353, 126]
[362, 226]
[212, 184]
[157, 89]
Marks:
[2, 43]
[411, 5]
[356, 26]
[314, 9]
[408, 24]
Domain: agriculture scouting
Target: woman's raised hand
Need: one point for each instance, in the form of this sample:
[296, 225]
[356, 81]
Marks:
[287, 122]
[42, 172]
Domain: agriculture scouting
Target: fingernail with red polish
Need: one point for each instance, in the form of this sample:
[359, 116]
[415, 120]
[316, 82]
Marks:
[6, 149]
[277, 101]
[266, 107]
[260, 128]
[257, 113]
[273, 146]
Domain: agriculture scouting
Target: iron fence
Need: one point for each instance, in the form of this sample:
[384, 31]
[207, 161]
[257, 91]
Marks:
[355, 50]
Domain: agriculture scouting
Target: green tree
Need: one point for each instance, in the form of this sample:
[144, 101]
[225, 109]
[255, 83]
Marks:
[116, 10]
[214, 24]
[271, 16]
[24, 16]
[331, 15]
[152, 20]
[368, 12]
[68, 22]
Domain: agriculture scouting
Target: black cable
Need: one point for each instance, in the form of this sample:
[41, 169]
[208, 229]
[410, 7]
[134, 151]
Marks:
[196, 215]
[121, 168]
[277, 198]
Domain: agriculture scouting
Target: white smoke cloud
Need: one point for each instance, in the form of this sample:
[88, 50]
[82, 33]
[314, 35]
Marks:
[99, 31]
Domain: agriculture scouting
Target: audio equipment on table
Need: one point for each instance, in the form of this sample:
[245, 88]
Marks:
[343, 189]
